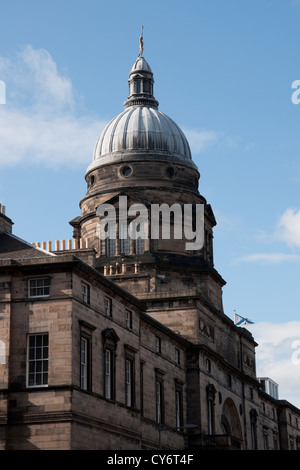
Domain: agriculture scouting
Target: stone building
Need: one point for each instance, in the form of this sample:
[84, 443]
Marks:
[122, 342]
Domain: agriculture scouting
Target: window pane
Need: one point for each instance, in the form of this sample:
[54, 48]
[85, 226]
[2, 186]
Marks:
[108, 306]
[110, 246]
[84, 363]
[140, 246]
[39, 287]
[38, 354]
[124, 240]
[108, 374]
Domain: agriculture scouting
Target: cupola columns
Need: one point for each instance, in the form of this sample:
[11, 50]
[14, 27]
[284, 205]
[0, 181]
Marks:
[141, 85]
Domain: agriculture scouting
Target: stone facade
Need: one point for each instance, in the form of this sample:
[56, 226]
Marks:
[67, 413]
[212, 376]
[124, 344]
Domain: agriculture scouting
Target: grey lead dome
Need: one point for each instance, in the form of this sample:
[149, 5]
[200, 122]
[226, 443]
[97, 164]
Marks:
[141, 129]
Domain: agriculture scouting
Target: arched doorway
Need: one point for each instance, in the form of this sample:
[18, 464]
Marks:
[231, 425]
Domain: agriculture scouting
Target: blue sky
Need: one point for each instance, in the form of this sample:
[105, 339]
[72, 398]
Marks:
[224, 72]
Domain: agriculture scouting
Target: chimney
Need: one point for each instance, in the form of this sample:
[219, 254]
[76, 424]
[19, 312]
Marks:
[5, 223]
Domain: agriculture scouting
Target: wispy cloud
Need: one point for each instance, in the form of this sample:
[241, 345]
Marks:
[201, 139]
[278, 356]
[42, 120]
[198, 140]
[286, 231]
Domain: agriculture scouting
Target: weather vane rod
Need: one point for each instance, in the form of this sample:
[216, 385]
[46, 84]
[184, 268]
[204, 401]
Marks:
[141, 44]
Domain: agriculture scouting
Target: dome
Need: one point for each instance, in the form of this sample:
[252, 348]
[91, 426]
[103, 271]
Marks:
[140, 64]
[141, 129]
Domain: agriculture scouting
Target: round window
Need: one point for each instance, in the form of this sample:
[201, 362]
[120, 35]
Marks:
[126, 171]
[169, 172]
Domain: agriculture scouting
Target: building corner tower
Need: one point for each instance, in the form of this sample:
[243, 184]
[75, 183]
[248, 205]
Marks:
[143, 157]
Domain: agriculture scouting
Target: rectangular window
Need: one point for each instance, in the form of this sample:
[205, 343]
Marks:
[177, 356]
[108, 374]
[137, 86]
[179, 414]
[85, 293]
[124, 240]
[157, 345]
[210, 405]
[140, 246]
[128, 319]
[142, 388]
[84, 363]
[37, 360]
[39, 287]
[159, 402]
[108, 306]
[110, 246]
[129, 382]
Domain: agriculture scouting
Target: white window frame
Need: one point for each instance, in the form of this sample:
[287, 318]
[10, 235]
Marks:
[36, 287]
[85, 293]
[128, 382]
[128, 319]
[108, 306]
[108, 373]
[84, 344]
[38, 358]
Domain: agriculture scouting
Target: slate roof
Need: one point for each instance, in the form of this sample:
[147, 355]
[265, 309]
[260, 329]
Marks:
[12, 247]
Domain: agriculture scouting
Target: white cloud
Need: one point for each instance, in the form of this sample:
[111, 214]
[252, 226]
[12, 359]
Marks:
[32, 77]
[288, 228]
[198, 140]
[40, 122]
[278, 356]
[60, 141]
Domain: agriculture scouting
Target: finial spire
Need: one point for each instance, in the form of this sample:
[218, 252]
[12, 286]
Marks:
[141, 44]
